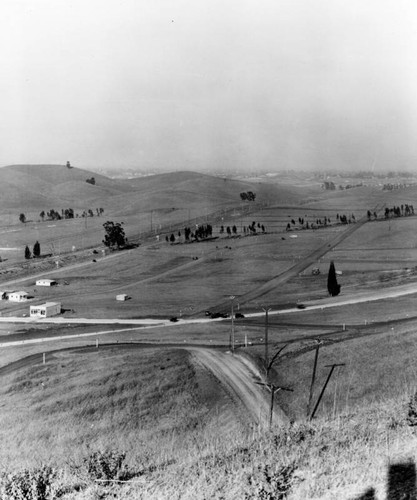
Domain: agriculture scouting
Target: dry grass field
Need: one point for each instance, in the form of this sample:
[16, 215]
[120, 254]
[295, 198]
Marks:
[171, 418]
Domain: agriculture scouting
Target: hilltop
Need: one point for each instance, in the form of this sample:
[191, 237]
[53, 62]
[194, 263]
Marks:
[40, 187]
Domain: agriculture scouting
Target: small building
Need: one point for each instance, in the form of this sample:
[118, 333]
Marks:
[46, 282]
[45, 310]
[122, 297]
[17, 296]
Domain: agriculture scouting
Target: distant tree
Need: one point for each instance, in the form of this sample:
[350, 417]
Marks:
[369, 214]
[28, 255]
[234, 229]
[42, 215]
[167, 238]
[332, 285]
[114, 234]
[172, 238]
[90, 213]
[101, 211]
[36, 249]
[22, 218]
[248, 196]
[221, 229]
[91, 181]
[263, 228]
[288, 227]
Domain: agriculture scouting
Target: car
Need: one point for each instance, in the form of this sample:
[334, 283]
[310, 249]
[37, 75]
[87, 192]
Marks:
[207, 313]
[216, 315]
[301, 306]
[174, 319]
[239, 315]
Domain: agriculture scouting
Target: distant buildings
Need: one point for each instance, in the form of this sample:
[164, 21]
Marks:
[46, 282]
[18, 296]
[45, 310]
[14, 296]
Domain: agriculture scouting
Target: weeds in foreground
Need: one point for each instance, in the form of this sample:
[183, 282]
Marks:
[44, 483]
[271, 483]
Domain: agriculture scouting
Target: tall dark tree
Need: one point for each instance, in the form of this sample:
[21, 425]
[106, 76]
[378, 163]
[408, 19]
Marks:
[28, 255]
[332, 285]
[42, 215]
[36, 249]
[115, 234]
[22, 218]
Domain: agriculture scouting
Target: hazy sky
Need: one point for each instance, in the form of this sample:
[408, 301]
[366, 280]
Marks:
[199, 84]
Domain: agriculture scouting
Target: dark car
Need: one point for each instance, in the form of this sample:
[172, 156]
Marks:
[301, 306]
[216, 315]
[239, 315]
[174, 319]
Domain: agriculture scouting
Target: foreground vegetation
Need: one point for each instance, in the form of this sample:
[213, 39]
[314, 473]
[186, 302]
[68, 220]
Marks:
[146, 423]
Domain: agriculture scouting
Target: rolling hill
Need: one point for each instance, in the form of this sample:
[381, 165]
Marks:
[42, 187]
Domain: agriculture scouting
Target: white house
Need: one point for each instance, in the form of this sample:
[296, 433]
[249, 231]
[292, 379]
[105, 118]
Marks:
[122, 297]
[46, 282]
[45, 310]
[18, 296]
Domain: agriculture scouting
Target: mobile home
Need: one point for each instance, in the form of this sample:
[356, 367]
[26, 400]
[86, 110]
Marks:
[45, 310]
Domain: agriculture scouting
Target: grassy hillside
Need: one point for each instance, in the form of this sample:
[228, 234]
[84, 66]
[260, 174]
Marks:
[173, 429]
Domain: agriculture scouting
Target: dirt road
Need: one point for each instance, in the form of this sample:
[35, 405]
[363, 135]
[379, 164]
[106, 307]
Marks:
[238, 376]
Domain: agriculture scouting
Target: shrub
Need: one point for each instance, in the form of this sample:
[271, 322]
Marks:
[106, 465]
[271, 483]
[32, 484]
[412, 411]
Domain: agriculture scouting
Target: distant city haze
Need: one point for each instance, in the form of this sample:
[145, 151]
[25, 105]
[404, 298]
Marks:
[209, 84]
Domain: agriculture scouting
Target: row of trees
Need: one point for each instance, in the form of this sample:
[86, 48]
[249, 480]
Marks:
[342, 219]
[400, 211]
[66, 213]
[36, 252]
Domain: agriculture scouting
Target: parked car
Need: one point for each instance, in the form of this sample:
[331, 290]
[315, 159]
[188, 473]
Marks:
[174, 319]
[215, 315]
[301, 306]
[239, 315]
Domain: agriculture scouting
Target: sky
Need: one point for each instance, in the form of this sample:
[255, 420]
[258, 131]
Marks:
[208, 84]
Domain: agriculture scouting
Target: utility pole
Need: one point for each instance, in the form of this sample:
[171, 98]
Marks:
[232, 337]
[313, 377]
[266, 309]
[272, 388]
[332, 367]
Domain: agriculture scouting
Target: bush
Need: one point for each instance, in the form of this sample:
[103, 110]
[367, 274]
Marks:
[412, 411]
[106, 465]
[271, 483]
[35, 484]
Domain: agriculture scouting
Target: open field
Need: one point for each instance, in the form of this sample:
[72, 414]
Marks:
[377, 343]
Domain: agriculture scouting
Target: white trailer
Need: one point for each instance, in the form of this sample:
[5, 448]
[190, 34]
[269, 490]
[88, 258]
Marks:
[45, 310]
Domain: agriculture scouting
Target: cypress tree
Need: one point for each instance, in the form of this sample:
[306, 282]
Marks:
[332, 285]
[28, 255]
[36, 249]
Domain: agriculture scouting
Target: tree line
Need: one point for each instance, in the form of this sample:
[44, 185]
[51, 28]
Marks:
[66, 213]
[320, 222]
